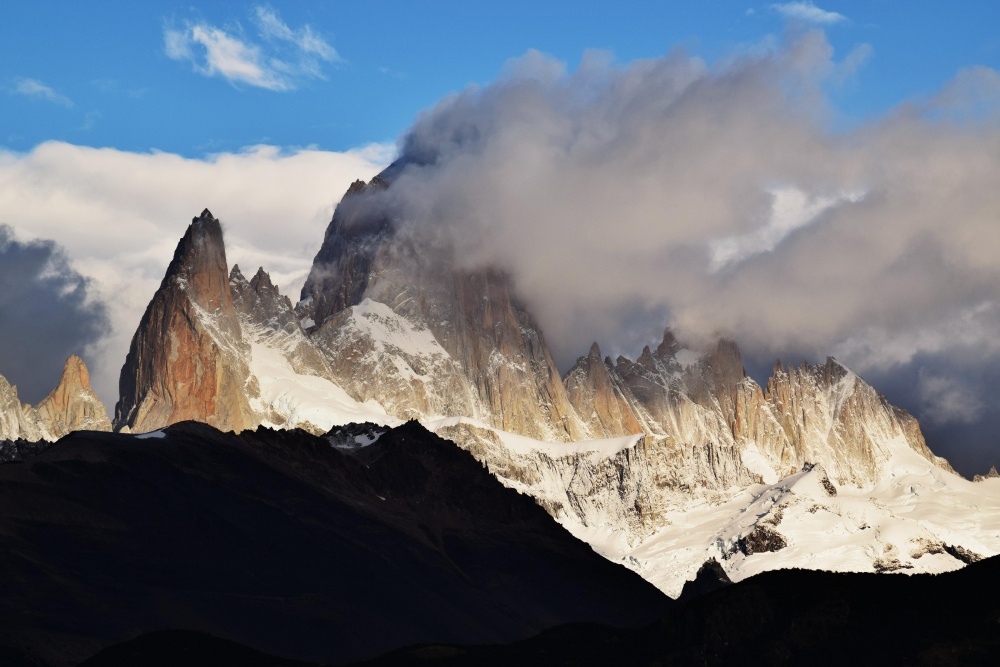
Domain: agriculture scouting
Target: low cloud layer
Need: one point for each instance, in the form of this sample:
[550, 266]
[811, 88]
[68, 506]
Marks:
[119, 216]
[719, 201]
[47, 312]
[278, 59]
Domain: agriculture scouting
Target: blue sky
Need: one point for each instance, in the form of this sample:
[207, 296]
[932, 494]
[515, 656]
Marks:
[822, 182]
[98, 74]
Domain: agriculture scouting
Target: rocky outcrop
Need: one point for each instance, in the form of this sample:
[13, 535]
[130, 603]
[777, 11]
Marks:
[71, 406]
[188, 357]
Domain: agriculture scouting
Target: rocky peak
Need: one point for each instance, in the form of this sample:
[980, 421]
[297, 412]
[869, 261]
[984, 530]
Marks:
[668, 347]
[990, 474]
[261, 302]
[73, 405]
[357, 187]
[594, 392]
[188, 358]
[199, 265]
[347, 260]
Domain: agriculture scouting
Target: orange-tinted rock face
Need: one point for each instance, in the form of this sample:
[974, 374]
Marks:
[72, 405]
[188, 357]
[598, 400]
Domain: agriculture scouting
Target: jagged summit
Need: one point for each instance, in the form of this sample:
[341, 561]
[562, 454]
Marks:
[71, 406]
[187, 357]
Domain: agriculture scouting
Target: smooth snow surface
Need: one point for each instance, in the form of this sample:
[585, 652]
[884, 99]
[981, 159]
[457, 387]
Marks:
[596, 449]
[302, 399]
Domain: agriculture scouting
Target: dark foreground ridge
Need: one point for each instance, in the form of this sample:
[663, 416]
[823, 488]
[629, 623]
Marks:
[782, 617]
[285, 544]
[789, 617]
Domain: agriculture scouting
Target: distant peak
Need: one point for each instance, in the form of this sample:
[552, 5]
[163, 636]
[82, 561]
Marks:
[75, 372]
[356, 187]
[595, 351]
[205, 215]
[236, 274]
[261, 280]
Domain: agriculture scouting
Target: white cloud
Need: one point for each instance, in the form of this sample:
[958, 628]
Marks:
[808, 12]
[37, 89]
[616, 195]
[119, 216]
[280, 62]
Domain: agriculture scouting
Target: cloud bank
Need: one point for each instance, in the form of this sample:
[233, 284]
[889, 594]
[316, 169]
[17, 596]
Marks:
[119, 216]
[47, 312]
[718, 200]
[279, 60]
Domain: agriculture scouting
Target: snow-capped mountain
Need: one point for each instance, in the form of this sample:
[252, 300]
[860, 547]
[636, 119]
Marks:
[660, 463]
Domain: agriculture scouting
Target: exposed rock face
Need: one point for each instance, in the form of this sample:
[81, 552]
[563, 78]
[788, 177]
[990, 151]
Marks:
[71, 406]
[188, 357]
[595, 392]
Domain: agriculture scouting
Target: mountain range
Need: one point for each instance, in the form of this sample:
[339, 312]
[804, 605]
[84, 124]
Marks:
[660, 463]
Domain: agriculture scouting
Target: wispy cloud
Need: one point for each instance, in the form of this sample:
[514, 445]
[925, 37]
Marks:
[38, 90]
[278, 61]
[808, 12]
